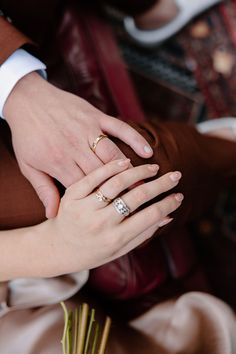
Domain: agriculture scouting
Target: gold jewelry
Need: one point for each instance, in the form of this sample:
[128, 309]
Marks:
[96, 141]
[101, 197]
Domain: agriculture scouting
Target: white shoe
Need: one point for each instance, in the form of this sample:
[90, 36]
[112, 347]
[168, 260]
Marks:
[216, 124]
[188, 9]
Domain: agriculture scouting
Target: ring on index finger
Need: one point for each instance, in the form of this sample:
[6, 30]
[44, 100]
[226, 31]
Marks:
[96, 141]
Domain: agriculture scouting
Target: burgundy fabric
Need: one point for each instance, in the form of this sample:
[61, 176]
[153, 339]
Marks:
[95, 60]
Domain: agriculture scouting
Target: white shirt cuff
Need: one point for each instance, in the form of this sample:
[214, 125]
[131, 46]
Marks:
[19, 64]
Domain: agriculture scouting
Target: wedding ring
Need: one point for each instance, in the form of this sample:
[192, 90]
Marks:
[101, 197]
[121, 207]
[96, 141]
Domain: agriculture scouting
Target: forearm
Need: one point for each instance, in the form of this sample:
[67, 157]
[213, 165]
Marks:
[25, 252]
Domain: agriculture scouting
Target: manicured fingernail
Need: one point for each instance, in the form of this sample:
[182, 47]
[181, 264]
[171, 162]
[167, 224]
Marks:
[147, 149]
[179, 197]
[123, 162]
[165, 221]
[175, 176]
[153, 168]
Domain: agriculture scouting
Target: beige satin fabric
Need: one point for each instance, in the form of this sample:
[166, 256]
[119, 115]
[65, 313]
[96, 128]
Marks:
[195, 323]
[30, 293]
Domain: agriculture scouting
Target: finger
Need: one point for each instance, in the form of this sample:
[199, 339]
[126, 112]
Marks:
[127, 134]
[145, 192]
[107, 151]
[45, 189]
[148, 217]
[143, 237]
[96, 177]
[115, 185]
[68, 173]
[88, 161]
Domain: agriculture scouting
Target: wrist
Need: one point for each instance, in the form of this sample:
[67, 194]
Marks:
[26, 253]
[41, 244]
[15, 67]
[21, 94]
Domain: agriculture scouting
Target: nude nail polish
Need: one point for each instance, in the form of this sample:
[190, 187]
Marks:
[175, 176]
[147, 149]
[123, 162]
[179, 197]
[153, 168]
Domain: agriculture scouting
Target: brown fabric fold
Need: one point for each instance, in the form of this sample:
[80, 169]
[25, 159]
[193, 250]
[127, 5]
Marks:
[10, 39]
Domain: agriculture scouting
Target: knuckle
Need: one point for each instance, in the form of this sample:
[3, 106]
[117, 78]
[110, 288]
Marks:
[57, 157]
[113, 153]
[121, 125]
[157, 213]
[141, 194]
[175, 203]
[110, 167]
[165, 182]
[118, 183]
[86, 183]
[112, 243]
[97, 226]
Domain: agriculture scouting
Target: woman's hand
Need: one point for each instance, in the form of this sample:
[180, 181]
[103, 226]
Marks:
[88, 232]
[52, 131]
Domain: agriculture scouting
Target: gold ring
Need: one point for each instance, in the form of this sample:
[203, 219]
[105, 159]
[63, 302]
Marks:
[101, 197]
[96, 141]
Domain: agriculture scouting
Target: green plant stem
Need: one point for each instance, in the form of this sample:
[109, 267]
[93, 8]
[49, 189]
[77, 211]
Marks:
[91, 322]
[105, 334]
[95, 339]
[76, 323]
[82, 328]
[66, 318]
[69, 333]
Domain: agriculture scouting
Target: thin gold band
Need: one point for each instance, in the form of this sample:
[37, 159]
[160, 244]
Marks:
[96, 141]
[101, 197]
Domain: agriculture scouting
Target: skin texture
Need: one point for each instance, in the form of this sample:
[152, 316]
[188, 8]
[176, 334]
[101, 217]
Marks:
[87, 232]
[52, 131]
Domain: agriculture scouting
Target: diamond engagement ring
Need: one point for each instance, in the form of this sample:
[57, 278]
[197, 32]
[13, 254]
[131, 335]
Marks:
[96, 141]
[121, 207]
[101, 197]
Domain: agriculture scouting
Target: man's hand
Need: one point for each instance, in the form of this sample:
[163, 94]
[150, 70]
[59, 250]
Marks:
[52, 131]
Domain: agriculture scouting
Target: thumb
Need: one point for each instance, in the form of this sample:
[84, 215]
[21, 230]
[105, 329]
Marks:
[45, 189]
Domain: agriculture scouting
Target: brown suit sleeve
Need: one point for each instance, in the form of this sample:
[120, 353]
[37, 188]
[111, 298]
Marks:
[10, 39]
